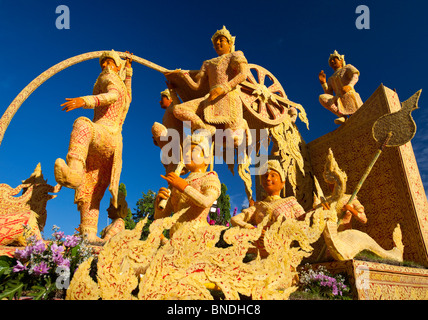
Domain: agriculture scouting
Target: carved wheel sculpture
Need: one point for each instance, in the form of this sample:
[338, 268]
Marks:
[263, 96]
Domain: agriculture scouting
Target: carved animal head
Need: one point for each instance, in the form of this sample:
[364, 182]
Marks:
[39, 195]
[334, 175]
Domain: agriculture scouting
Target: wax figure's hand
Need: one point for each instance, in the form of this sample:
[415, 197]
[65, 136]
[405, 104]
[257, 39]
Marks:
[72, 104]
[129, 60]
[216, 92]
[322, 77]
[346, 89]
[176, 71]
[163, 194]
[175, 181]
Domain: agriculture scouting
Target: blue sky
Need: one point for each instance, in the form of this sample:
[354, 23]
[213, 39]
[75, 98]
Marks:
[289, 38]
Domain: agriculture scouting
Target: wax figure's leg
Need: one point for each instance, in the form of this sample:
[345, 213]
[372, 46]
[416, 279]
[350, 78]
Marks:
[331, 104]
[188, 112]
[90, 193]
[70, 174]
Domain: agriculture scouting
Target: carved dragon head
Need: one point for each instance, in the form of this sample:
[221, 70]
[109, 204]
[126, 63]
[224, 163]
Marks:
[39, 194]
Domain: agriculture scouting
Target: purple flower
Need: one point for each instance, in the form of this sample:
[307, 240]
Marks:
[39, 246]
[61, 261]
[335, 290]
[71, 241]
[57, 258]
[19, 267]
[58, 235]
[41, 268]
[65, 263]
[57, 249]
[24, 254]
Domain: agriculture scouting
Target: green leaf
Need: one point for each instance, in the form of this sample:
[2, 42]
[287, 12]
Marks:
[75, 250]
[6, 265]
[12, 288]
[38, 292]
[42, 292]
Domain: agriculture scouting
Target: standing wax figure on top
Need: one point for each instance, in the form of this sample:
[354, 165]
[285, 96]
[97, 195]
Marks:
[94, 158]
[197, 192]
[342, 83]
[273, 182]
[222, 106]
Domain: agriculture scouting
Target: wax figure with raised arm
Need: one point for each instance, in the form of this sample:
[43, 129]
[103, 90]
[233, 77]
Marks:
[342, 82]
[94, 158]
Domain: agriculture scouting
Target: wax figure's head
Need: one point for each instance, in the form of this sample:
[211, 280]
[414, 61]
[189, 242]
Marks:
[196, 153]
[273, 180]
[165, 99]
[110, 60]
[336, 61]
[223, 41]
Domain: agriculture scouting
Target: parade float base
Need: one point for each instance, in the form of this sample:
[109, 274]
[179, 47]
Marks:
[368, 280]
[380, 281]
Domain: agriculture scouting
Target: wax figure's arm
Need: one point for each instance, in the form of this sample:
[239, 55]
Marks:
[242, 219]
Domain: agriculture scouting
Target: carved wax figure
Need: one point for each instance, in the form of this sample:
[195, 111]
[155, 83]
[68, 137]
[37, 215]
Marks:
[117, 215]
[273, 182]
[168, 100]
[342, 83]
[169, 122]
[197, 192]
[357, 212]
[222, 106]
[94, 158]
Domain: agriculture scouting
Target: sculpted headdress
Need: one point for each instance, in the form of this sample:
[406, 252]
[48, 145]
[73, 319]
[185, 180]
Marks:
[336, 54]
[199, 139]
[276, 166]
[166, 93]
[117, 60]
[225, 33]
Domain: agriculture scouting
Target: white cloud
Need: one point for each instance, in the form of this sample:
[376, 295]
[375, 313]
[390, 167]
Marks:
[245, 203]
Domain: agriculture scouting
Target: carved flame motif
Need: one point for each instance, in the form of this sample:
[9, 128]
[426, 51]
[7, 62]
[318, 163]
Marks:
[192, 263]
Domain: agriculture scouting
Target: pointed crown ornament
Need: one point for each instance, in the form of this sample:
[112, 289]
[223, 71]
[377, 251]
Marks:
[199, 139]
[336, 54]
[166, 93]
[274, 164]
[225, 33]
[117, 60]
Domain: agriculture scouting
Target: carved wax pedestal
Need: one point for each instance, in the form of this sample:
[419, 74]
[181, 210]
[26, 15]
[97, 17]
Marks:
[379, 281]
